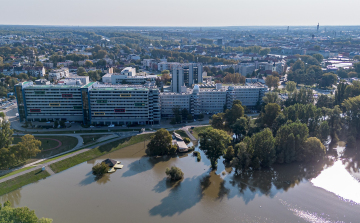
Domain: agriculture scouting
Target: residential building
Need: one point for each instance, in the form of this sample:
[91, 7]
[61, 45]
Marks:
[58, 74]
[186, 74]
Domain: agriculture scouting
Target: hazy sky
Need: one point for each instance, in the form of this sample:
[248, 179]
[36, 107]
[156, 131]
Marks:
[179, 12]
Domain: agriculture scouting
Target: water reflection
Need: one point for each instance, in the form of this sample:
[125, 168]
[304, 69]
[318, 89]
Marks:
[14, 197]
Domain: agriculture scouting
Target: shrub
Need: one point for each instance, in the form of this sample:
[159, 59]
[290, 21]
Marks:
[172, 150]
[174, 173]
[230, 153]
[100, 169]
[191, 148]
[197, 154]
[187, 140]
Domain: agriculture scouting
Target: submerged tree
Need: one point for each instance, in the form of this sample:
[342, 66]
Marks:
[174, 173]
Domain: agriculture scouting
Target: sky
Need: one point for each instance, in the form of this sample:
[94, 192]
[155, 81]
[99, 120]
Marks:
[197, 13]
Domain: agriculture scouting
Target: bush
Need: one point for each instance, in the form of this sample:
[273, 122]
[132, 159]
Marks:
[230, 153]
[174, 173]
[186, 140]
[172, 150]
[191, 148]
[197, 154]
[100, 169]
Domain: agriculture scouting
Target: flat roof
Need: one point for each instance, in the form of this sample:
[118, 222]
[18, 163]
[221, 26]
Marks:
[119, 89]
[53, 86]
[88, 85]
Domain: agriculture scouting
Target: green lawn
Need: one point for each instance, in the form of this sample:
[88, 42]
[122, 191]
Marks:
[67, 142]
[91, 138]
[98, 151]
[197, 130]
[22, 180]
[15, 172]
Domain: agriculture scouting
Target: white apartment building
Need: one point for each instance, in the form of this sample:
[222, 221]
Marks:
[186, 74]
[57, 74]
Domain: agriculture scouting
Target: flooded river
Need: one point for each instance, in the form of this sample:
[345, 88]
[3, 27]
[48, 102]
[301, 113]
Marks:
[140, 192]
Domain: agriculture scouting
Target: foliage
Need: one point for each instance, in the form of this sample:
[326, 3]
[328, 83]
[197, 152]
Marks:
[20, 214]
[5, 134]
[291, 86]
[186, 140]
[240, 127]
[351, 142]
[214, 142]
[217, 121]
[198, 156]
[325, 101]
[328, 79]
[272, 81]
[234, 78]
[160, 143]
[289, 140]
[302, 96]
[174, 173]
[352, 106]
[100, 169]
[271, 111]
[271, 97]
[229, 154]
[312, 151]
[236, 111]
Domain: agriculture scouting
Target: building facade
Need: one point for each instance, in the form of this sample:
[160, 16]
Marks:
[186, 75]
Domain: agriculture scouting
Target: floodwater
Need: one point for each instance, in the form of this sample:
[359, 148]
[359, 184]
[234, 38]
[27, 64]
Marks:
[140, 192]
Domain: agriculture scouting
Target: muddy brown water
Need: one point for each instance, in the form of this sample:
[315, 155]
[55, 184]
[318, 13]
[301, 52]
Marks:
[140, 192]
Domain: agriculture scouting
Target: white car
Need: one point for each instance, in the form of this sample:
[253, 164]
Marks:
[48, 122]
[91, 126]
[111, 126]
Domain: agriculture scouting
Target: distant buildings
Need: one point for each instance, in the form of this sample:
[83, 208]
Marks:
[58, 74]
[127, 76]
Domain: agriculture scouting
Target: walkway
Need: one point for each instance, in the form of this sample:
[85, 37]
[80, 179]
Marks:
[49, 170]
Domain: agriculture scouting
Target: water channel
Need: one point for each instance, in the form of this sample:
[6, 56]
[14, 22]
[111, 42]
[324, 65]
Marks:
[327, 191]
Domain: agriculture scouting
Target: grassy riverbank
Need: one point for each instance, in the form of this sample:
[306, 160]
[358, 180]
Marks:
[91, 138]
[197, 130]
[22, 180]
[98, 151]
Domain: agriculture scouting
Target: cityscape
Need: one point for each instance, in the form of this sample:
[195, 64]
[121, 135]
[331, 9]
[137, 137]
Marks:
[179, 123]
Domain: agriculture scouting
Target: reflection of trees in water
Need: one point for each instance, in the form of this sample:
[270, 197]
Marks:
[103, 179]
[279, 177]
[14, 197]
[351, 160]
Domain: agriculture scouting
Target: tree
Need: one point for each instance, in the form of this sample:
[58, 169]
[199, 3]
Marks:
[357, 67]
[94, 75]
[38, 64]
[272, 81]
[264, 51]
[165, 76]
[89, 63]
[186, 140]
[214, 142]
[217, 121]
[174, 173]
[272, 110]
[328, 79]
[271, 97]
[351, 142]
[5, 134]
[290, 86]
[177, 113]
[236, 111]
[288, 141]
[28, 147]
[325, 101]
[324, 131]
[184, 114]
[262, 143]
[20, 214]
[23, 76]
[240, 127]
[81, 71]
[318, 57]
[2, 115]
[100, 169]
[313, 150]
[62, 124]
[352, 106]
[160, 143]
[229, 154]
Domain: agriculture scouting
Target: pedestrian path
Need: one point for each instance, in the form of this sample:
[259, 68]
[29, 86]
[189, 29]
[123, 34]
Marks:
[49, 170]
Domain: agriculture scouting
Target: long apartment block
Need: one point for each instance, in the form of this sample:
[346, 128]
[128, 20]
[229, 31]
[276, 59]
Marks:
[92, 103]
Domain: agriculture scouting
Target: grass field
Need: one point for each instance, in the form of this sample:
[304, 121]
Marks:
[99, 151]
[197, 130]
[91, 138]
[22, 180]
[67, 142]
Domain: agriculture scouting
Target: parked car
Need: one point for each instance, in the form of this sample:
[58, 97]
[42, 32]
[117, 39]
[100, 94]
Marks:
[111, 126]
[91, 126]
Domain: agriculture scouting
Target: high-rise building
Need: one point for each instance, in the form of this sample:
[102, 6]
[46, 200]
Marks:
[187, 75]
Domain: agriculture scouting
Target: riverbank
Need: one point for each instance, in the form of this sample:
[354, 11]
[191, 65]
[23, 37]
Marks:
[22, 180]
[98, 151]
[197, 130]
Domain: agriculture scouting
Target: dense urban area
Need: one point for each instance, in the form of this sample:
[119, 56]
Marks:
[252, 100]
